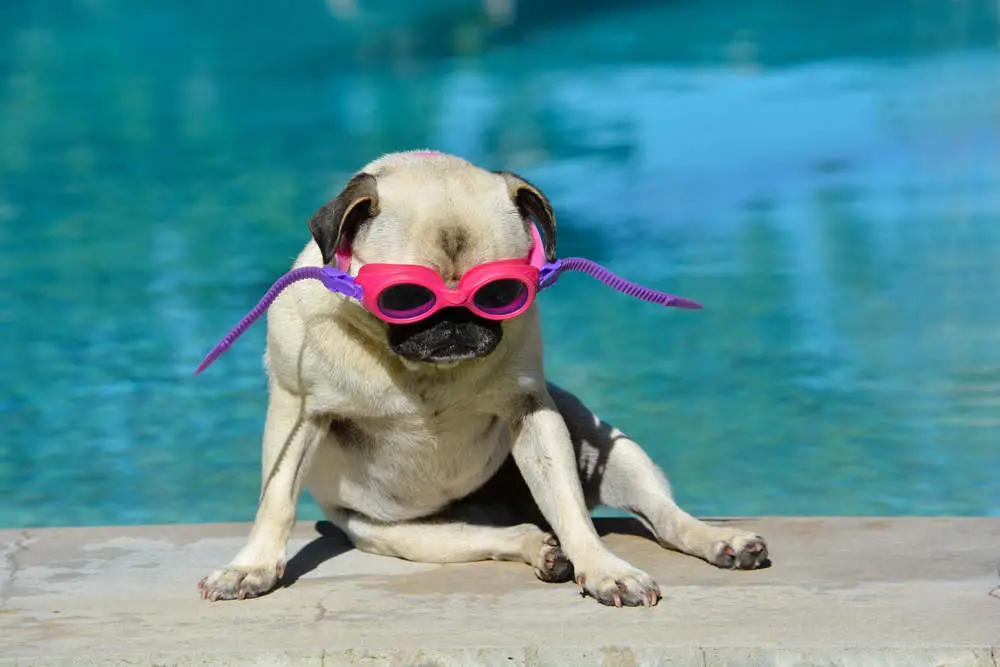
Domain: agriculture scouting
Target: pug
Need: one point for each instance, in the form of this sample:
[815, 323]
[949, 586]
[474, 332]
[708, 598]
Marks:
[429, 432]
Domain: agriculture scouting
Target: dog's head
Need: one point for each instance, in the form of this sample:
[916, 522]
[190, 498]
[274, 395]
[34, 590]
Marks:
[442, 212]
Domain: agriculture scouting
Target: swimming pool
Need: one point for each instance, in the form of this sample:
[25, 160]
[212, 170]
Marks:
[826, 180]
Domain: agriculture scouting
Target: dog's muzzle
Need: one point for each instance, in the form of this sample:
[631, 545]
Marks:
[448, 336]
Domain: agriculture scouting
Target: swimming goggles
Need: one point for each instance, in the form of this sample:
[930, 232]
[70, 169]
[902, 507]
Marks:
[407, 293]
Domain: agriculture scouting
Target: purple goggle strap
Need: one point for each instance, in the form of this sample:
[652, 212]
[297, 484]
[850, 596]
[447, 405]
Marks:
[334, 280]
[549, 274]
[342, 283]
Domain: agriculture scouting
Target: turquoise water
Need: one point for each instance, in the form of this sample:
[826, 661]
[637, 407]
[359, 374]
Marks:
[824, 177]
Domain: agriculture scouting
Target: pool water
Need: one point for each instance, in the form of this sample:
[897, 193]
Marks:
[824, 177]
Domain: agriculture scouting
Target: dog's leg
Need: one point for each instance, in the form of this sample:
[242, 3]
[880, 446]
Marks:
[290, 438]
[616, 472]
[452, 540]
[543, 452]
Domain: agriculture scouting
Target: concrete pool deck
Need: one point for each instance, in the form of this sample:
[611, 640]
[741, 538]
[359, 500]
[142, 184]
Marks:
[909, 591]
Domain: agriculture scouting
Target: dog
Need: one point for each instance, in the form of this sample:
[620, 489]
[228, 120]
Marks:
[439, 439]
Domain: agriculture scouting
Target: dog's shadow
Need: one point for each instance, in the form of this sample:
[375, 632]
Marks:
[331, 543]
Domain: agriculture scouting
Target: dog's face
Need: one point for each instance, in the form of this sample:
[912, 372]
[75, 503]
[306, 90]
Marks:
[441, 212]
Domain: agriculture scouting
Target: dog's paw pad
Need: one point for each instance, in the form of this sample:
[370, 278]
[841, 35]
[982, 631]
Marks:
[551, 565]
[744, 552]
[240, 583]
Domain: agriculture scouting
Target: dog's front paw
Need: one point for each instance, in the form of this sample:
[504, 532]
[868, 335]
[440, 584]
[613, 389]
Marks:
[239, 583]
[741, 551]
[618, 583]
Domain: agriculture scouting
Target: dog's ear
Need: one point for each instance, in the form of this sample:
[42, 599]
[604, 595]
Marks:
[532, 203]
[338, 220]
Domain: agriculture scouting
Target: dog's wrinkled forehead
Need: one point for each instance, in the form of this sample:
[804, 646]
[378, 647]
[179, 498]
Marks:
[432, 209]
[442, 212]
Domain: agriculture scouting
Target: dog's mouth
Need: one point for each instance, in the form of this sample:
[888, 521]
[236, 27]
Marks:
[450, 336]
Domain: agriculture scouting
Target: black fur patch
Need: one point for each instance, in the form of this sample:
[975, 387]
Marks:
[453, 241]
[347, 433]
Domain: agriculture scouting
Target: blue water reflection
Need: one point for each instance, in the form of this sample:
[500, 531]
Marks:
[825, 179]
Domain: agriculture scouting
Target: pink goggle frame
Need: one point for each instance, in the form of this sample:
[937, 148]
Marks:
[405, 293]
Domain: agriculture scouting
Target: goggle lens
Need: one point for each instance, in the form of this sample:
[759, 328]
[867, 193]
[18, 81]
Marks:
[405, 300]
[500, 297]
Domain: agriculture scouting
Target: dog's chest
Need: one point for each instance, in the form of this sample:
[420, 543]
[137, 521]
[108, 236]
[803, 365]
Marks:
[406, 467]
